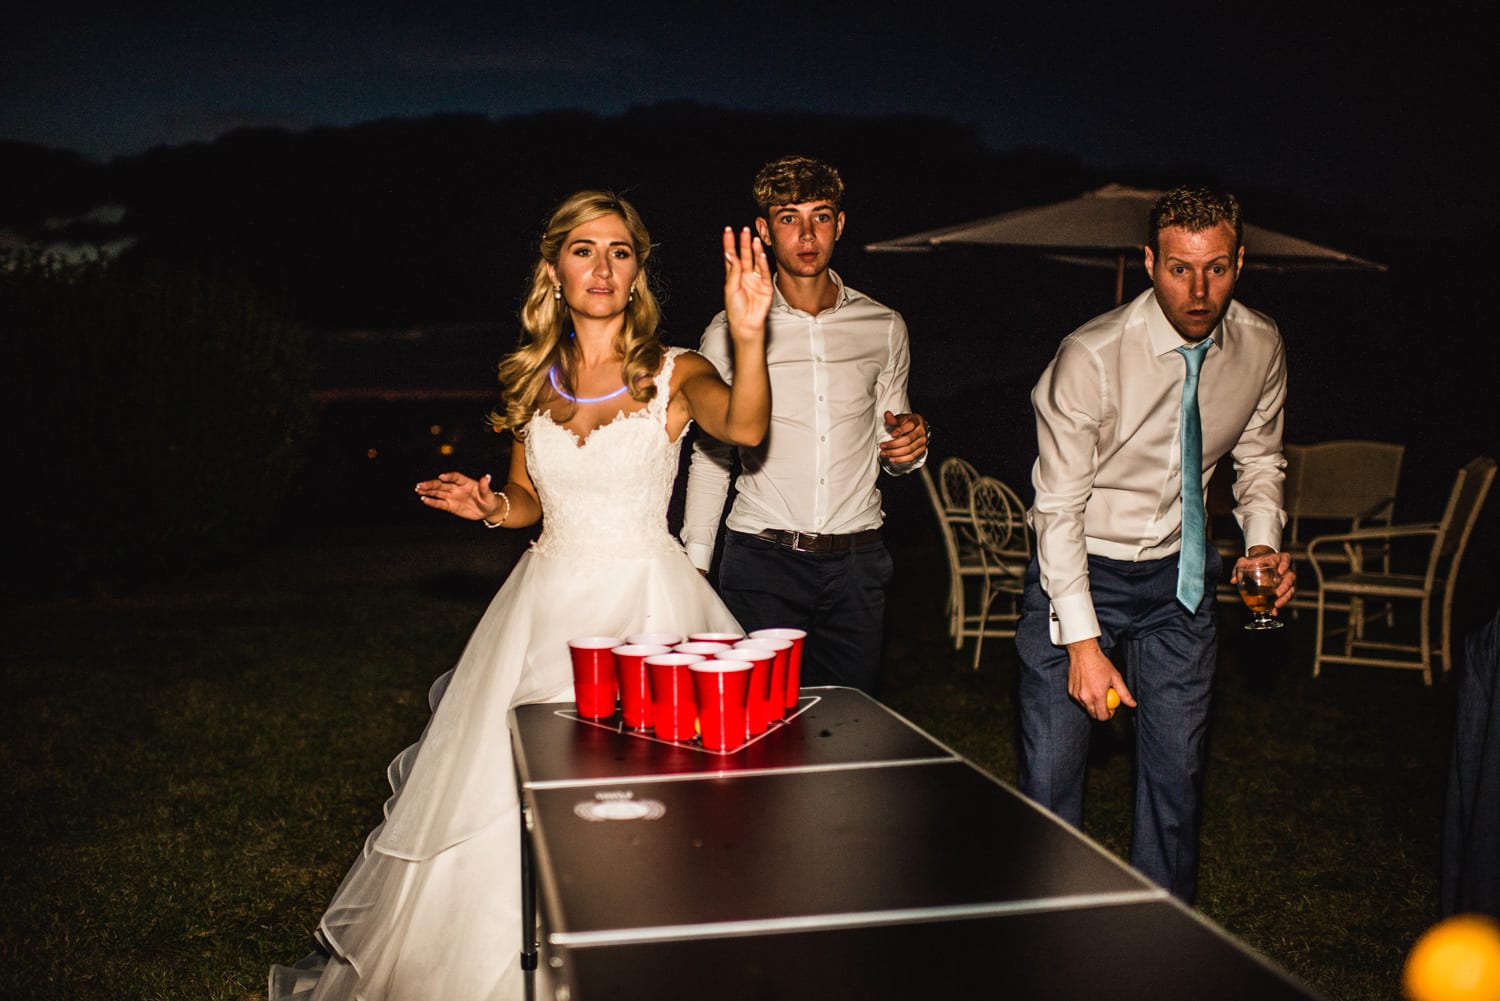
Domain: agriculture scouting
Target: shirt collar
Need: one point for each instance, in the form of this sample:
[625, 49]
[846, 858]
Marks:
[845, 294]
[1163, 336]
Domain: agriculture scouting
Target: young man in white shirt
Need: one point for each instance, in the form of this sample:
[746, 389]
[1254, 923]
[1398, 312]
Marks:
[803, 547]
[1103, 591]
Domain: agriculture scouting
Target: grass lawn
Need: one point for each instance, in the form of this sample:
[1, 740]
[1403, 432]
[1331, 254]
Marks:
[193, 769]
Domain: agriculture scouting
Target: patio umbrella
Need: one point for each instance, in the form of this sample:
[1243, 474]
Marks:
[1104, 227]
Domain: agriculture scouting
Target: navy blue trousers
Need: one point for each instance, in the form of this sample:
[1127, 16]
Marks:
[1167, 658]
[838, 598]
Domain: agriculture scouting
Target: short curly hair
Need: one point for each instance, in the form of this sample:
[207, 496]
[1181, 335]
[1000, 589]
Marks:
[1195, 209]
[792, 180]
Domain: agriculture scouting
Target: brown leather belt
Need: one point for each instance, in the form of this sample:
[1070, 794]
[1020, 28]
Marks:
[811, 542]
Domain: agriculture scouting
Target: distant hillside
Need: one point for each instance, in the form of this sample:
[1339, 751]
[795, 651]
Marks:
[392, 235]
[403, 221]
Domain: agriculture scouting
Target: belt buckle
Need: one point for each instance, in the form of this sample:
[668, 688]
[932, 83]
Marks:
[796, 542]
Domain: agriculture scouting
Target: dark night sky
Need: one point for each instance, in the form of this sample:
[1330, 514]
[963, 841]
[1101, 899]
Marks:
[1385, 110]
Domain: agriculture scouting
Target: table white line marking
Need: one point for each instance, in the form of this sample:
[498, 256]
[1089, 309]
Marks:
[854, 919]
[643, 779]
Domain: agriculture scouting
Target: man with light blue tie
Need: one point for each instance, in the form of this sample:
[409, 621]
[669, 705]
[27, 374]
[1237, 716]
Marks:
[1132, 415]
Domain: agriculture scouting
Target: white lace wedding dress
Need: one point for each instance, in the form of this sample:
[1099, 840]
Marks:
[431, 908]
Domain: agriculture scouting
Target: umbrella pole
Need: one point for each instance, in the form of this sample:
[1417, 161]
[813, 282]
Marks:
[1120, 279]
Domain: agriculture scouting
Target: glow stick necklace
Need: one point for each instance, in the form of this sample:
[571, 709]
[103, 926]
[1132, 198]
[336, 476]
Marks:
[552, 375]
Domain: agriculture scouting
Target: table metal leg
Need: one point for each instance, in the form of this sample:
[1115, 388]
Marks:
[528, 896]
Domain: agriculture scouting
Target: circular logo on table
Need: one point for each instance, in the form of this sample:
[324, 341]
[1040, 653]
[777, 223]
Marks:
[620, 806]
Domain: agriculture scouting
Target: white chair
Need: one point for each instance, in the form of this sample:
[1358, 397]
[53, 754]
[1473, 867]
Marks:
[1347, 577]
[1331, 486]
[948, 493]
[956, 477]
[1338, 486]
[999, 520]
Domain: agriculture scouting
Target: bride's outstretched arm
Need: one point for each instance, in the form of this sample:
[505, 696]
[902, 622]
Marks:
[739, 413]
[516, 506]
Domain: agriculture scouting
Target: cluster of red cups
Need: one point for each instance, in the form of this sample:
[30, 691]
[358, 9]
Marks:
[723, 688]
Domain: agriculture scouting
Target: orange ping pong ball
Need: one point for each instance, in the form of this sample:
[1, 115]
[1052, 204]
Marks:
[1112, 699]
[1457, 959]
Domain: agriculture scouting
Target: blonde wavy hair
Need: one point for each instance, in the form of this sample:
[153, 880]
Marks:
[546, 324]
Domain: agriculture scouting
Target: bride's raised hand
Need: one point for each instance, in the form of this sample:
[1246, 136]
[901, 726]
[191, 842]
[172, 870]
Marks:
[747, 283]
[740, 412]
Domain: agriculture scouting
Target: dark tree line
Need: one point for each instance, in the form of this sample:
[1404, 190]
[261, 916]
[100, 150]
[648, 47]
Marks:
[401, 221]
[418, 222]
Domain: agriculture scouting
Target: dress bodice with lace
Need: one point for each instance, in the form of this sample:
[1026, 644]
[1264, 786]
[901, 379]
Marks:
[607, 493]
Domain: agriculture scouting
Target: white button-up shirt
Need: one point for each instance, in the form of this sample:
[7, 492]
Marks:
[1108, 472]
[833, 377]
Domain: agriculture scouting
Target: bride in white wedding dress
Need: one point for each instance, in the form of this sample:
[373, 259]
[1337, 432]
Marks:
[431, 909]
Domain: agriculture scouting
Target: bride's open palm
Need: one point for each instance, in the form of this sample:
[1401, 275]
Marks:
[747, 282]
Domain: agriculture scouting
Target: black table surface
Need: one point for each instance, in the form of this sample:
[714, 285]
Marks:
[841, 846]
[844, 853]
[1131, 951]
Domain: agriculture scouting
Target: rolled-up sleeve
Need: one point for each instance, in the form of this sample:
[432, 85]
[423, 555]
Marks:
[890, 393]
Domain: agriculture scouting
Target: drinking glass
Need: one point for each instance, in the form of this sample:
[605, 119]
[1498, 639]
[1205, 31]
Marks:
[1258, 592]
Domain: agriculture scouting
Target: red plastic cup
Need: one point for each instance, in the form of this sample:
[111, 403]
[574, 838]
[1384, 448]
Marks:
[757, 704]
[595, 681]
[656, 639]
[635, 683]
[776, 695]
[794, 663]
[727, 638]
[722, 688]
[673, 704]
[701, 647]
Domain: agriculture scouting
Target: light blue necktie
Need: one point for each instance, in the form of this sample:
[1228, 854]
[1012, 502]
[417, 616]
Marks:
[1194, 527]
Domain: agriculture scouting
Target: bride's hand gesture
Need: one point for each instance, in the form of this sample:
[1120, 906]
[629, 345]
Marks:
[747, 284]
[738, 413]
[460, 495]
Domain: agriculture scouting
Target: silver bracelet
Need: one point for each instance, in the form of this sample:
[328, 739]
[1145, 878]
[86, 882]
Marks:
[497, 524]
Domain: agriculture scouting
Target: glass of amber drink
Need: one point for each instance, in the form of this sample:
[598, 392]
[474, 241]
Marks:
[1258, 592]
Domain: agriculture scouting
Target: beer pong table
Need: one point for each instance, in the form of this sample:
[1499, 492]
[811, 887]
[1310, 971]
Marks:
[845, 853]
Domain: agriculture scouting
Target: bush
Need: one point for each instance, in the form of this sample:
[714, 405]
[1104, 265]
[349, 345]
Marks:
[163, 417]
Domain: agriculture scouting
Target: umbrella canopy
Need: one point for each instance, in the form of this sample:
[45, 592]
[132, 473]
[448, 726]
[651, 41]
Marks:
[1106, 225]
